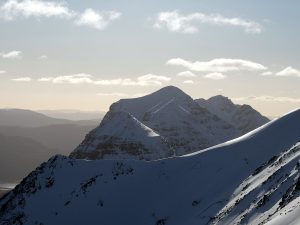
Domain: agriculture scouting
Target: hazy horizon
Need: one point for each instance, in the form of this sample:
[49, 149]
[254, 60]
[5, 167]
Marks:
[49, 111]
[66, 55]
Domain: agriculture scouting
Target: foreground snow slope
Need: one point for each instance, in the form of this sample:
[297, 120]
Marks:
[189, 190]
[267, 193]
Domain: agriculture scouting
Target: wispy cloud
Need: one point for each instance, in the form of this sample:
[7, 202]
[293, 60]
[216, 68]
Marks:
[186, 74]
[109, 82]
[43, 57]
[119, 94]
[267, 98]
[267, 73]
[22, 79]
[189, 23]
[13, 9]
[114, 94]
[45, 79]
[145, 80]
[215, 76]
[2, 71]
[151, 79]
[11, 55]
[72, 79]
[188, 82]
[98, 20]
[289, 72]
[218, 65]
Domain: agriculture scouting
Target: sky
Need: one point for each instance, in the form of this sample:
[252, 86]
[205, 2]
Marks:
[86, 55]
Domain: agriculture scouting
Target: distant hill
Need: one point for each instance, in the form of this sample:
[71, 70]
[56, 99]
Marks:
[3, 191]
[74, 114]
[28, 138]
[61, 138]
[19, 155]
[28, 118]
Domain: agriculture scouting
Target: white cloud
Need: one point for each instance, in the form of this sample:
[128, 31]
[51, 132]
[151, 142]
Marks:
[145, 80]
[188, 82]
[72, 79]
[189, 23]
[22, 79]
[151, 79]
[13, 9]
[2, 71]
[34, 8]
[186, 74]
[45, 79]
[43, 57]
[117, 94]
[109, 82]
[267, 73]
[11, 55]
[267, 98]
[218, 65]
[98, 20]
[289, 72]
[215, 76]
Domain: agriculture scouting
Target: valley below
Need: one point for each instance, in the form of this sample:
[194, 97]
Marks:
[3, 191]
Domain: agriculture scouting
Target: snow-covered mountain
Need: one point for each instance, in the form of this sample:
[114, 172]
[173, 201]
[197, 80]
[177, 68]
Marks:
[170, 113]
[176, 116]
[122, 136]
[248, 180]
[242, 117]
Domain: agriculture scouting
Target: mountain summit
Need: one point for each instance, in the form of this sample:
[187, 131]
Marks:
[171, 114]
[152, 103]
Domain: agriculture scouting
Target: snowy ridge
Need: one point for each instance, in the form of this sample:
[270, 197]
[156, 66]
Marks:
[197, 189]
[122, 136]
